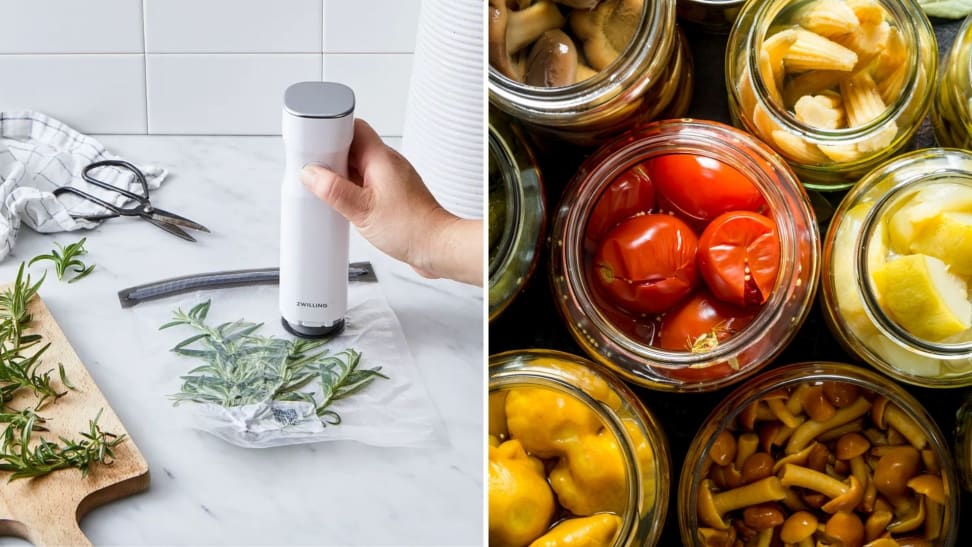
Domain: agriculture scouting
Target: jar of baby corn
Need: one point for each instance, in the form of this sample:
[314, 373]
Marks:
[835, 86]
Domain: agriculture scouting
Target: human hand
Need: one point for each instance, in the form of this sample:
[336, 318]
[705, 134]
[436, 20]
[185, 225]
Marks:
[389, 204]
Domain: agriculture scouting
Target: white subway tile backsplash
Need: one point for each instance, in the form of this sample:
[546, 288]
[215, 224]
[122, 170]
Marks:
[223, 94]
[233, 26]
[92, 93]
[70, 26]
[201, 66]
[380, 83]
[370, 26]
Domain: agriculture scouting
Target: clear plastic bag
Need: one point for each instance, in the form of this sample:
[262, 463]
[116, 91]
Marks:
[396, 411]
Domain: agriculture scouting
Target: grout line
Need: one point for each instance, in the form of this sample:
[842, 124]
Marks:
[145, 65]
[144, 52]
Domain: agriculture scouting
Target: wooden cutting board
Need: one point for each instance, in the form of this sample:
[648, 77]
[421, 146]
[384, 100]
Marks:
[46, 510]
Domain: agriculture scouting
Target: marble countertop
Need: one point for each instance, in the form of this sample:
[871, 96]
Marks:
[207, 492]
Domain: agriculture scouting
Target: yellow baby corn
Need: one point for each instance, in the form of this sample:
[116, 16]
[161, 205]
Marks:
[862, 100]
[771, 60]
[811, 83]
[842, 153]
[893, 55]
[867, 11]
[828, 18]
[879, 141]
[869, 39]
[811, 51]
[765, 125]
[821, 111]
[891, 86]
[747, 95]
[797, 149]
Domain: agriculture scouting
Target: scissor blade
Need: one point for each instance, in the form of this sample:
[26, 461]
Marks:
[172, 229]
[165, 216]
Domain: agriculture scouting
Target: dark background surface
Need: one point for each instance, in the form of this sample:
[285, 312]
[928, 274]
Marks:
[532, 321]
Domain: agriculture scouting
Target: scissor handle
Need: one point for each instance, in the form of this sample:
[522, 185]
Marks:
[110, 206]
[139, 176]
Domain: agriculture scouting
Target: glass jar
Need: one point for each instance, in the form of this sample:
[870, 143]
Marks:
[951, 112]
[872, 418]
[650, 79]
[858, 243]
[714, 16]
[871, 111]
[627, 350]
[640, 438]
[963, 442]
[516, 213]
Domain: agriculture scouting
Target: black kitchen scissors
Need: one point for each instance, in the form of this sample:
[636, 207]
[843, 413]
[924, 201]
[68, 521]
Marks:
[170, 222]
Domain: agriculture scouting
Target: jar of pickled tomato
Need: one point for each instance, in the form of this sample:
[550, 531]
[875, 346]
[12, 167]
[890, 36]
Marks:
[573, 454]
[587, 73]
[951, 112]
[819, 453]
[516, 213]
[834, 86]
[684, 255]
[897, 262]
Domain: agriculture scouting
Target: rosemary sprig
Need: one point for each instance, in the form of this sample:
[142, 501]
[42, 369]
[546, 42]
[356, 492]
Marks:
[241, 368]
[20, 453]
[66, 257]
[95, 446]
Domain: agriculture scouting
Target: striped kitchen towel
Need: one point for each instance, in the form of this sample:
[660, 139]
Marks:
[39, 154]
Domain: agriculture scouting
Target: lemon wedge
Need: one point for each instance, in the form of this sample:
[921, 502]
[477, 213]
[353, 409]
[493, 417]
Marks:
[947, 236]
[921, 294]
[907, 224]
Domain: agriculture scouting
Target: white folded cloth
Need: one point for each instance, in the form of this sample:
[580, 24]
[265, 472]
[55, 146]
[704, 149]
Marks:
[39, 154]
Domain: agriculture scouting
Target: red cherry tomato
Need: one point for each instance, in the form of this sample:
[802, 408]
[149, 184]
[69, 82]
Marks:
[699, 325]
[702, 188]
[628, 194]
[647, 263]
[739, 257]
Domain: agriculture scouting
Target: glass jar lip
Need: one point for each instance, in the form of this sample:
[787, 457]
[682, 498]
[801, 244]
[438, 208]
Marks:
[723, 414]
[654, 140]
[636, 514]
[865, 284]
[606, 83]
[756, 35]
[908, 167]
[519, 250]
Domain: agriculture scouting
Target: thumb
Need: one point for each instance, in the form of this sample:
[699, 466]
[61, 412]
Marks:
[344, 196]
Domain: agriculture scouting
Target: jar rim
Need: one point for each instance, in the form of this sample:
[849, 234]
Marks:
[793, 374]
[636, 514]
[519, 249]
[740, 150]
[652, 40]
[908, 169]
[902, 11]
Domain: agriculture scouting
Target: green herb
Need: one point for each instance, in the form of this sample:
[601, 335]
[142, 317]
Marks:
[241, 368]
[66, 257]
[46, 457]
[20, 452]
[948, 9]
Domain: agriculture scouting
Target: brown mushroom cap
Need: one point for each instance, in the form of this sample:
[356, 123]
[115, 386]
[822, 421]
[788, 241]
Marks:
[893, 471]
[798, 527]
[930, 486]
[846, 527]
[526, 25]
[552, 61]
[851, 445]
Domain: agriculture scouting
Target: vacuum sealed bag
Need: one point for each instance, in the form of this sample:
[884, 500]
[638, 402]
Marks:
[241, 377]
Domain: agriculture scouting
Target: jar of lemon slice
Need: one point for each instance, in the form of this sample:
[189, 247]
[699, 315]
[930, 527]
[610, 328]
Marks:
[897, 267]
[835, 86]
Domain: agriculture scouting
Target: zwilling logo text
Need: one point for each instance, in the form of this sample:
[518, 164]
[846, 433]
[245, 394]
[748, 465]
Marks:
[315, 305]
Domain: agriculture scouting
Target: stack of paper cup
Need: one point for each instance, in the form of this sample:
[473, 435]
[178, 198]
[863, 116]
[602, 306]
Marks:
[444, 133]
